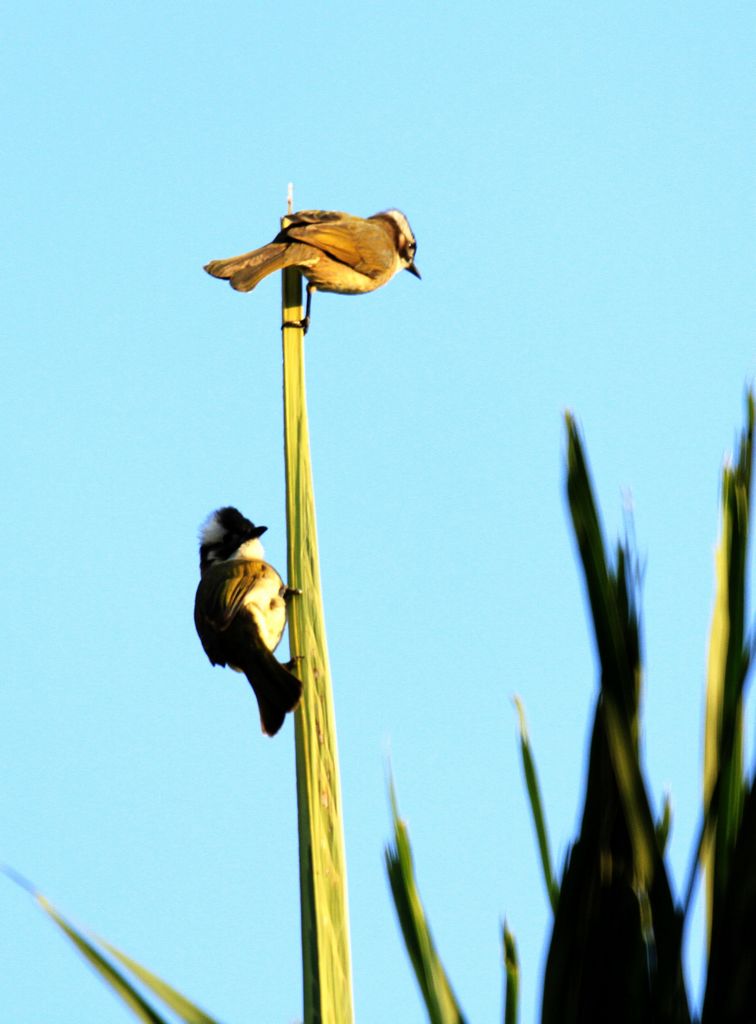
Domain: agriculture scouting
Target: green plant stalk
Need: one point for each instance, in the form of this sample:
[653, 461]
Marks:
[727, 667]
[92, 947]
[664, 824]
[435, 987]
[617, 931]
[326, 959]
[512, 972]
[536, 807]
[615, 624]
[135, 1002]
[719, 639]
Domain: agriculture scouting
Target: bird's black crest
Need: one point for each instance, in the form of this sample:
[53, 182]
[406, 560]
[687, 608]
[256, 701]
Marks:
[223, 532]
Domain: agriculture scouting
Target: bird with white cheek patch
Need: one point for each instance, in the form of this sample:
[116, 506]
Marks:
[240, 612]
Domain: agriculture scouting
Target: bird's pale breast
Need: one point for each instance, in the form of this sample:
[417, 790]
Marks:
[330, 276]
[264, 602]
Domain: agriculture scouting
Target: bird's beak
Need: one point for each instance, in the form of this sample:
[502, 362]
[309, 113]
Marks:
[413, 270]
[259, 531]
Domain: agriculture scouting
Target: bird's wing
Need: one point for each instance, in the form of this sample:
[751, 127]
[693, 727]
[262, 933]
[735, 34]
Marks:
[363, 245]
[223, 588]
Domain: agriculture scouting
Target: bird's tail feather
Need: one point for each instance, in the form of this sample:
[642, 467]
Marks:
[277, 690]
[245, 271]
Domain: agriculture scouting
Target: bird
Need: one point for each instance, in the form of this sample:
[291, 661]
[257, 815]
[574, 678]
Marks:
[335, 251]
[240, 612]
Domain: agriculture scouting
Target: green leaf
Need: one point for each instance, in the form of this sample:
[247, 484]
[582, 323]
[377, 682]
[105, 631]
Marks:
[616, 628]
[434, 984]
[107, 972]
[87, 943]
[597, 966]
[326, 959]
[664, 824]
[173, 999]
[536, 807]
[615, 952]
[731, 980]
[512, 971]
[728, 663]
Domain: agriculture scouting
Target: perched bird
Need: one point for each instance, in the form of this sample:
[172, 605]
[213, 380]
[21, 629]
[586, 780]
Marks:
[240, 612]
[335, 251]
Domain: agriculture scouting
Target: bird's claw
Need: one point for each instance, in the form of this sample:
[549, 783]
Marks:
[302, 324]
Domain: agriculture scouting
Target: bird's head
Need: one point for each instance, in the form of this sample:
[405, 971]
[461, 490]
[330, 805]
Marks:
[227, 534]
[406, 246]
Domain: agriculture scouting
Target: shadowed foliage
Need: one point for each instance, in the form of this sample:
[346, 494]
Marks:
[616, 943]
[615, 952]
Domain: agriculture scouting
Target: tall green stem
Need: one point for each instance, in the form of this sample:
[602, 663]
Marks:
[326, 960]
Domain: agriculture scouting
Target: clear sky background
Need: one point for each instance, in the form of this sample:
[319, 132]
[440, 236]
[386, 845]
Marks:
[581, 183]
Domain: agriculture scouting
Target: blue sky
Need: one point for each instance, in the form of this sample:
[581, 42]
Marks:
[581, 185]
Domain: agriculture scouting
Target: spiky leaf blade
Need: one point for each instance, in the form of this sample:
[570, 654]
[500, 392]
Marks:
[184, 1008]
[512, 975]
[731, 979]
[616, 944]
[728, 663]
[536, 807]
[93, 946]
[435, 987]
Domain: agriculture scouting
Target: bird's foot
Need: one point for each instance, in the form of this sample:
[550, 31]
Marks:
[302, 324]
[305, 323]
[290, 592]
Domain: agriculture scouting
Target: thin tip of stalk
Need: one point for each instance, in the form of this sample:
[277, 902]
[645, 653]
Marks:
[19, 879]
[388, 769]
[290, 198]
[523, 724]
[510, 948]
